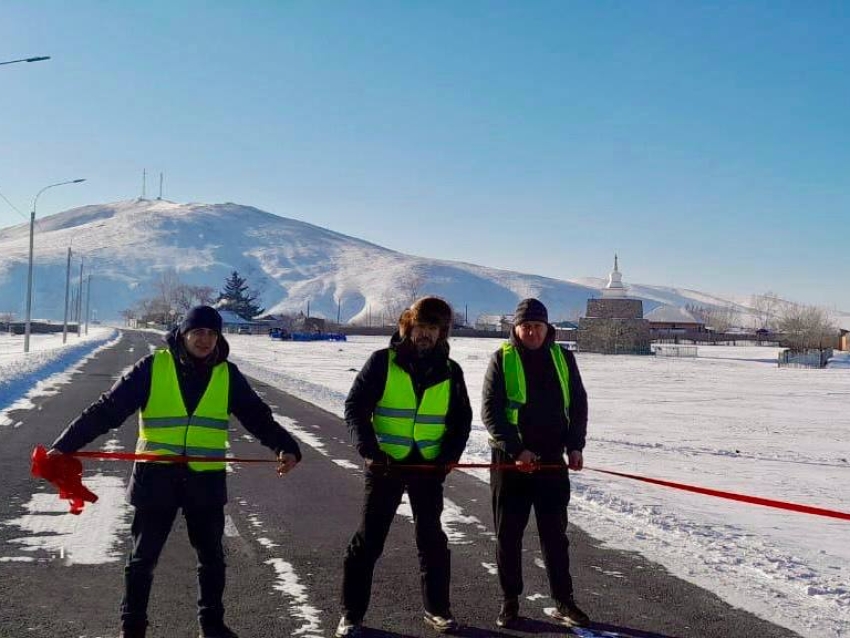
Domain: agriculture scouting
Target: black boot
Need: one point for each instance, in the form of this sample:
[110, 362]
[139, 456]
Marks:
[217, 631]
[509, 614]
[134, 631]
[569, 614]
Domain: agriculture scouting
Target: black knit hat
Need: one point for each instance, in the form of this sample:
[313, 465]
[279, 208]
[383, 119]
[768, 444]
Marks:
[201, 317]
[530, 310]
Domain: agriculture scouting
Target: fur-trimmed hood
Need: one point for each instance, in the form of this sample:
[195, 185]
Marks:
[431, 311]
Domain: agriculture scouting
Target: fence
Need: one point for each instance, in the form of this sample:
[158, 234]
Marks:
[804, 358]
[572, 346]
[36, 327]
[714, 338]
[673, 350]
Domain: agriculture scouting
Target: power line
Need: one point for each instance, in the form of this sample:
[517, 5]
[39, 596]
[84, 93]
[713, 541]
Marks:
[20, 213]
[14, 208]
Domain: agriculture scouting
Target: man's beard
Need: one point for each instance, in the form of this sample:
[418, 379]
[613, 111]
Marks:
[424, 346]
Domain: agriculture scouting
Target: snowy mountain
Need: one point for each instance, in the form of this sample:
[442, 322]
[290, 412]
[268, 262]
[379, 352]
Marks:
[128, 245]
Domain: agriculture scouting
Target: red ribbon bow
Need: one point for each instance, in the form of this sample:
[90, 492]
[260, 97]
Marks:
[66, 473]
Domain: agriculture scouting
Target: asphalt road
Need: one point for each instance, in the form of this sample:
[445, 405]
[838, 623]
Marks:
[285, 540]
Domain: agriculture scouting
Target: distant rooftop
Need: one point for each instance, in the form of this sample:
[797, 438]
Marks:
[671, 314]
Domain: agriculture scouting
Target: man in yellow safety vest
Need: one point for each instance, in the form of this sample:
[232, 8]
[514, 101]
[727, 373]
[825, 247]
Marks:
[534, 407]
[407, 407]
[185, 395]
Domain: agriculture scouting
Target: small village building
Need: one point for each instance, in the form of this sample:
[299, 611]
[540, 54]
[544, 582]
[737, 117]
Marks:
[303, 323]
[673, 319]
[233, 323]
[494, 323]
[565, 331]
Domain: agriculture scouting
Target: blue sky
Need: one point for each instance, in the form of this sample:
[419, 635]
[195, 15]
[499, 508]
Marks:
[707, 143]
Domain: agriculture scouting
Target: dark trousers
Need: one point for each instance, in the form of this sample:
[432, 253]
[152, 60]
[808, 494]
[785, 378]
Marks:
[514, 494]
[150, 529]
[382, 498]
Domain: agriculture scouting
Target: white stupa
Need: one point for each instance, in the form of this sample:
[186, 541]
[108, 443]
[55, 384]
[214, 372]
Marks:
[615, 288]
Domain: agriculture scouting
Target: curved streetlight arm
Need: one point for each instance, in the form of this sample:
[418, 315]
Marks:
[35, 199]
[35, 59]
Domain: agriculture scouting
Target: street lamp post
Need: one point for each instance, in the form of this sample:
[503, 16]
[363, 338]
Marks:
[36, 59]
[79, 309]
[67, 290]
[88, 299]
[29, 272]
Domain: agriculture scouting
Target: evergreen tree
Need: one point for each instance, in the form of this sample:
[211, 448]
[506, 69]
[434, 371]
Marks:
[239, 298]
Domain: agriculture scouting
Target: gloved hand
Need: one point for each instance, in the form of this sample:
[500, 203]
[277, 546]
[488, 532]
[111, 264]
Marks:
[527, 461]
[378, 464]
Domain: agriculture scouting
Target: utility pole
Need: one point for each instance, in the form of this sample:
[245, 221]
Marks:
[73, 308]
[338, 308]
[88, 300]
[67, 291]
[308, 308]
[27, 326]
[80, 301]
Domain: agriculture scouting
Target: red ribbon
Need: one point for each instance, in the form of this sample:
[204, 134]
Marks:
[744, 498]
[132, 456]
[69, 489]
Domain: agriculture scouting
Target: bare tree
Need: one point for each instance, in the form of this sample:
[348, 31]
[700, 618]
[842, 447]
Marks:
[129, 316]
[391, 308]
[700, 313]
[719, 318]
[722, 318]
[166, 287]
[413, 282]
[766, 308]
[142, 311]
[807, 327]
[187, 297]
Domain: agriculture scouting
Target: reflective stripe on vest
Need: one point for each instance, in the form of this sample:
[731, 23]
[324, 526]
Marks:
[515, 379]
[400, 424]
[165, 426]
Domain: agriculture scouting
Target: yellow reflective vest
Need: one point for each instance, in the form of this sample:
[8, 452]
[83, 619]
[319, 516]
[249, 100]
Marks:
[515, 379]
[401, 423]
[167, 429]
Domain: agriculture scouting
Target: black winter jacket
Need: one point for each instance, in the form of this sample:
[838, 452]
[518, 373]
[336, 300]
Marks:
[425, 372]
[543, 428]
[158, 484]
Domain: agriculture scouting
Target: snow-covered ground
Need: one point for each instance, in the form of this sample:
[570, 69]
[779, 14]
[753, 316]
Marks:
[729, 420]
[23, 376]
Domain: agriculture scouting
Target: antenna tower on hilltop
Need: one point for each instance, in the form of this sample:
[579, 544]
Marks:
[160, 186]
[144, 179]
